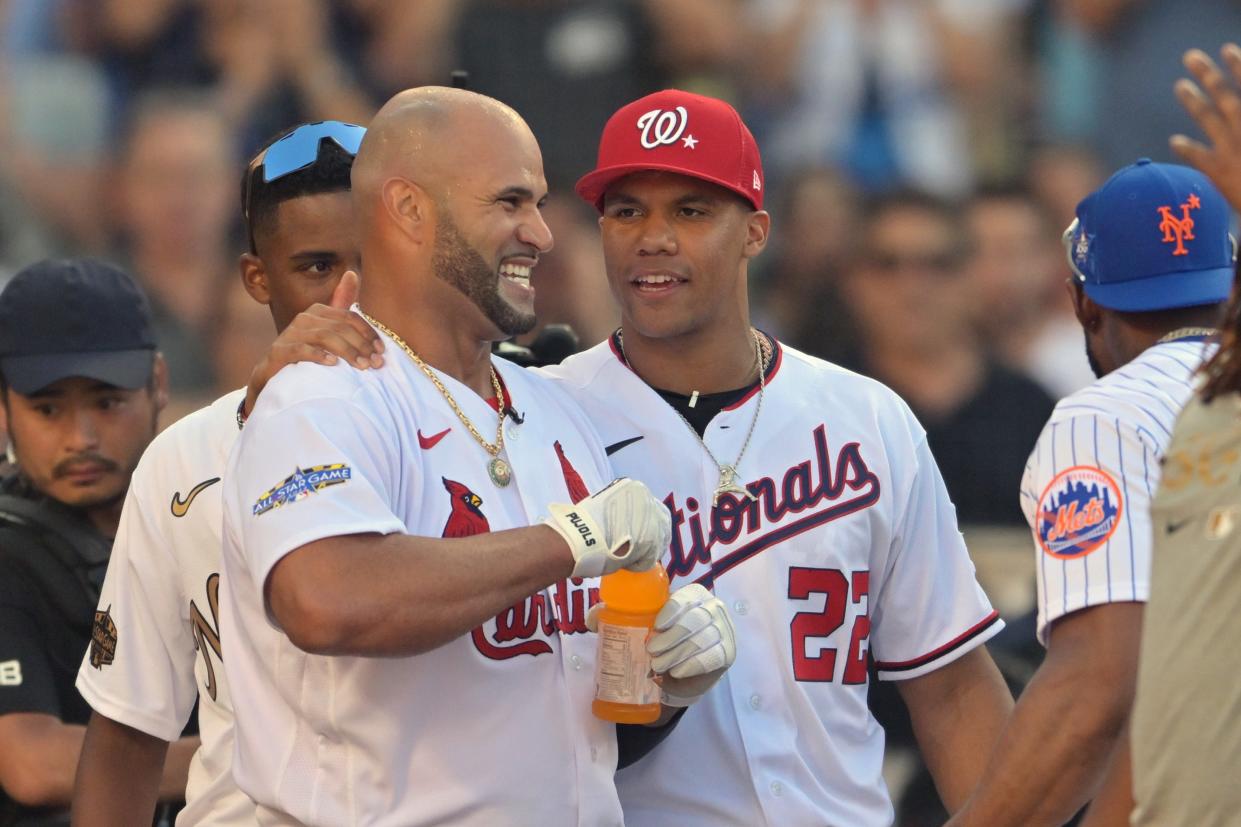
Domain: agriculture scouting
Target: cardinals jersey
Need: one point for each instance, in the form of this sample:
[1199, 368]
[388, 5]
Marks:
[1087, 487]
[155, 646]
[848, 551]
[492, 728]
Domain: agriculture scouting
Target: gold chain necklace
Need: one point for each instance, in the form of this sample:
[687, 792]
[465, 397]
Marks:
[1185, 333]
[501, 472]
[728, 483]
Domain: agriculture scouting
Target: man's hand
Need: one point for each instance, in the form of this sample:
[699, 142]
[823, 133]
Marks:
[321, 333]
[1215, 105]
[622, 526]
[692, 646]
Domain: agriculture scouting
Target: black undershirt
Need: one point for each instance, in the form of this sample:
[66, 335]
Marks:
[708, 404]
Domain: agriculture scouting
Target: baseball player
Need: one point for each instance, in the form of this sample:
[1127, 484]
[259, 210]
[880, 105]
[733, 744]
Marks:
[156, 644]
[802, 494]
[1152, 262]
[398, 549]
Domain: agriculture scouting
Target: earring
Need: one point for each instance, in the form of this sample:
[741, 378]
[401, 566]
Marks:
[9, 453]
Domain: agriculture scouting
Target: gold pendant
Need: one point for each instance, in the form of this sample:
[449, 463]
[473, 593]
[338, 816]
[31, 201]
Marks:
[501, 472]
[728, 485]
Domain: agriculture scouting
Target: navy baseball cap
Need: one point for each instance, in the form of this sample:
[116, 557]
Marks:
[74, 317]
[1153, 237]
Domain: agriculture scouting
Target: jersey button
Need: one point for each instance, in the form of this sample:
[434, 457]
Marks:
[755, 702]
[741, 607]
[777, 789]
[577, 662]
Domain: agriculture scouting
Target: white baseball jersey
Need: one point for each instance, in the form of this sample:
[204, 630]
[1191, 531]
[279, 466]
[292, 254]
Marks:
[1087, 487]
[493, 728]
[850, 550]
[159, 606]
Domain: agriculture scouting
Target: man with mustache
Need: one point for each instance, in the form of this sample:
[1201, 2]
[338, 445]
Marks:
[82, 386]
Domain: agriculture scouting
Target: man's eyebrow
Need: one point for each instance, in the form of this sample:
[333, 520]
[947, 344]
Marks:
[314, 254]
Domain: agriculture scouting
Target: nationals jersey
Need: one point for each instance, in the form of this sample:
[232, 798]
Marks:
[492, 728]
[849, 550]
[155, 645]
[1088, 484]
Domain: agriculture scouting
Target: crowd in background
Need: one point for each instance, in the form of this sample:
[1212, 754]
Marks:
[922, 158]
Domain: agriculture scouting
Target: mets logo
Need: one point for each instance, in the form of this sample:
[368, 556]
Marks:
[1078, 512]
[1179, 230]
[663, 127]
[301, 484]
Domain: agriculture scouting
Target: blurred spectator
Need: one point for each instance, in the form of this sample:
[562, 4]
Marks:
[915, 309]
[178, 192]
[1140, 43]
[53, 152]
[266, 64]
[799, 294]
[1016, 266]
[882, 87]
[565, 65]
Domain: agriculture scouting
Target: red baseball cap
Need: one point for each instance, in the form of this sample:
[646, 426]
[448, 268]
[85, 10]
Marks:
[675, 131]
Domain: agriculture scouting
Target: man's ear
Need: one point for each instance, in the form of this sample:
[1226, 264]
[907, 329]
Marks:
[1088, 314]
[758, 228]
[159, 383]
[254, 277]
[410, 208]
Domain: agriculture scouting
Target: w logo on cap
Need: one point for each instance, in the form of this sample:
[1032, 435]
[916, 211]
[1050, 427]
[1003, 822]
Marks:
[1179, 230]
[662, 126]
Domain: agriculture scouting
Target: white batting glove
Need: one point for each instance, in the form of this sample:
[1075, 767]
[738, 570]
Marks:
[693, 644]
[622, 526]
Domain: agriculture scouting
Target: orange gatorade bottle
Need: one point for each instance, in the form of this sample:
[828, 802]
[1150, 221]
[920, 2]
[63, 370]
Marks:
[624, 691]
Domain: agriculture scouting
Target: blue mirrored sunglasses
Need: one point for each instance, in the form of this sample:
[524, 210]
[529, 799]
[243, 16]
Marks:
[300, 148]
[296, 151]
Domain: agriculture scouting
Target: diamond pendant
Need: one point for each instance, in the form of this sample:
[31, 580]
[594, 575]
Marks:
[501, 472]
[728, 485]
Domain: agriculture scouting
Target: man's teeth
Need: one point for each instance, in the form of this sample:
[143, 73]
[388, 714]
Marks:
[515, 271]
[656, 279]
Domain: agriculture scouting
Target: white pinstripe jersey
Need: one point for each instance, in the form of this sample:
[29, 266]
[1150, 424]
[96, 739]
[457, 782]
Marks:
[1088, 484]
[849, 551]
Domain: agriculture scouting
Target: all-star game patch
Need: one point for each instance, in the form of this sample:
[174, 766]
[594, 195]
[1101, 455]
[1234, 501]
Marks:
[1078, 512]
[301, 484]
[102, 639]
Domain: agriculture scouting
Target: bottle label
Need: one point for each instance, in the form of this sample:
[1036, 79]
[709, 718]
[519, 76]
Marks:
[623, 668]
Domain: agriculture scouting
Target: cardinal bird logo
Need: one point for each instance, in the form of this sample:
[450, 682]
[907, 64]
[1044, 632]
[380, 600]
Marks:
[572, 479]
[466, 519]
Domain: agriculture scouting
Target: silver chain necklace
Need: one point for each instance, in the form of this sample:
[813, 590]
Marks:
[728, 482]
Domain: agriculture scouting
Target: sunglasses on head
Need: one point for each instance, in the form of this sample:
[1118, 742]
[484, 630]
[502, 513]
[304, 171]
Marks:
[296, 151]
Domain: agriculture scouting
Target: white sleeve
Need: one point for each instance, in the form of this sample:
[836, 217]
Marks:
[150, 683]
[929, 609]
[319, 468]
[1086, 494]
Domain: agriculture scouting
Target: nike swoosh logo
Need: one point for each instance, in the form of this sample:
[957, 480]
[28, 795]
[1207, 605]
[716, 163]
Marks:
[1172, 528]
[429, 442]
[616, 446]
[180, 507]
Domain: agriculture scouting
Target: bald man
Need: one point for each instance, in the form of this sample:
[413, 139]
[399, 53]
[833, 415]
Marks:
[406, 645]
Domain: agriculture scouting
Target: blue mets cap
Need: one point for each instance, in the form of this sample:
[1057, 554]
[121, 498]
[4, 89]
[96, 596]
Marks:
[1153, 237]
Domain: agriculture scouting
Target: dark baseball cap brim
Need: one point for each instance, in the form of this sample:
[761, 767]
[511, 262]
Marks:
[592, 186]
[1165, 291]
[129, 369]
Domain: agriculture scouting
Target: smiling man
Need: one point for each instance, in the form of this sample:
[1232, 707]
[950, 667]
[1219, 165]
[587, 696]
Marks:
[803, 495]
